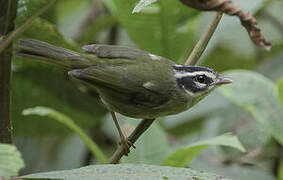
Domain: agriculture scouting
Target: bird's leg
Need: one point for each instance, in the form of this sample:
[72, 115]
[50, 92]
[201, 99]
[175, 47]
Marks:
[124, 141]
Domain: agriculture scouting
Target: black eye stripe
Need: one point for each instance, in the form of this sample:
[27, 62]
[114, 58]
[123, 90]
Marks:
[190, 84]
[203, 79]
[194, 79]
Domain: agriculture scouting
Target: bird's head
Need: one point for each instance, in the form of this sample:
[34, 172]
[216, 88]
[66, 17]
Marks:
[197, 80]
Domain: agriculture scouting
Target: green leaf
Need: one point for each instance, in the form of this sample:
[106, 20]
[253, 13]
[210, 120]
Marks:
[280, 90]
[43, 30]
[10, 161]
[38, 84]
[162, 28]
[272, 66]
[146, 151]
[183, 156]
[26, 8]
[44, 111]
[127, 171]
[258, 95]
[233, 171]
[251, 134]
[142, 4]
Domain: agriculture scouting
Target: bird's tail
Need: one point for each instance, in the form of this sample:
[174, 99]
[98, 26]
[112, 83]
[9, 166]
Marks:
[35, 49]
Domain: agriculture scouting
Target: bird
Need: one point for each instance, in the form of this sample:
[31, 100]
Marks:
[132, 82]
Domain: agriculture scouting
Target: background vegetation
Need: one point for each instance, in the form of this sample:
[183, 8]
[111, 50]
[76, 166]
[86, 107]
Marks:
[250, 108]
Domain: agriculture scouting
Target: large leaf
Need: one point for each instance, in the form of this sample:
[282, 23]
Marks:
[40, 85]
[272, 67]
[161, 28]
[233, 171]
[68, 122]
[252, 135]
[183, 156]
[43, 30]
[258, 95]
[27, 9]
[10, 161]
[127, 171]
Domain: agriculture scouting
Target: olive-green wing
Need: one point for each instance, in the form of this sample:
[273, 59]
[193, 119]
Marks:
[138, 87]
[102, 76]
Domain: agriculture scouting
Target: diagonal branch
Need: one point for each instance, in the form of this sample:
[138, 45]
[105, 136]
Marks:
[139, 130]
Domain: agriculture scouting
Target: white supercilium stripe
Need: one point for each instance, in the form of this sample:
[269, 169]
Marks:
[179, 74]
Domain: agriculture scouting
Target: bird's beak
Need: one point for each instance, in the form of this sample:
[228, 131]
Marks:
[222, 80]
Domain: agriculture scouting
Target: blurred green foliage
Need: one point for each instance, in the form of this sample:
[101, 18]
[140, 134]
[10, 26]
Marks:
[68, 122]
[250, 108]
[162, 28]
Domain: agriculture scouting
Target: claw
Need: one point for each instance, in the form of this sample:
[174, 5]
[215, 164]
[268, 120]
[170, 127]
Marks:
[127, 145]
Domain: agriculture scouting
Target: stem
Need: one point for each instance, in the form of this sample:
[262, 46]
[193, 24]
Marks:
[202, 43]
[24, 26]
[8, 10]
[139, 130]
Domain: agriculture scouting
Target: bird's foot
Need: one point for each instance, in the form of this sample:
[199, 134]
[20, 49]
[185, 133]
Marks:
[127, 145]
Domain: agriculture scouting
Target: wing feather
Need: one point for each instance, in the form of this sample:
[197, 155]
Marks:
[114, 52]
[114, 79]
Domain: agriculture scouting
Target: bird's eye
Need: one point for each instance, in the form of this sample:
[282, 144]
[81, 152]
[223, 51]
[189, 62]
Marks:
[200, 79]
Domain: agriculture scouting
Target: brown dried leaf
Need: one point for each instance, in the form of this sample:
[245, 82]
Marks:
[228, 7]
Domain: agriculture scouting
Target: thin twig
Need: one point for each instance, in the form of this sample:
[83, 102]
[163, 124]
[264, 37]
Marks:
[24, 26]
[139, 130]
[202, 43]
